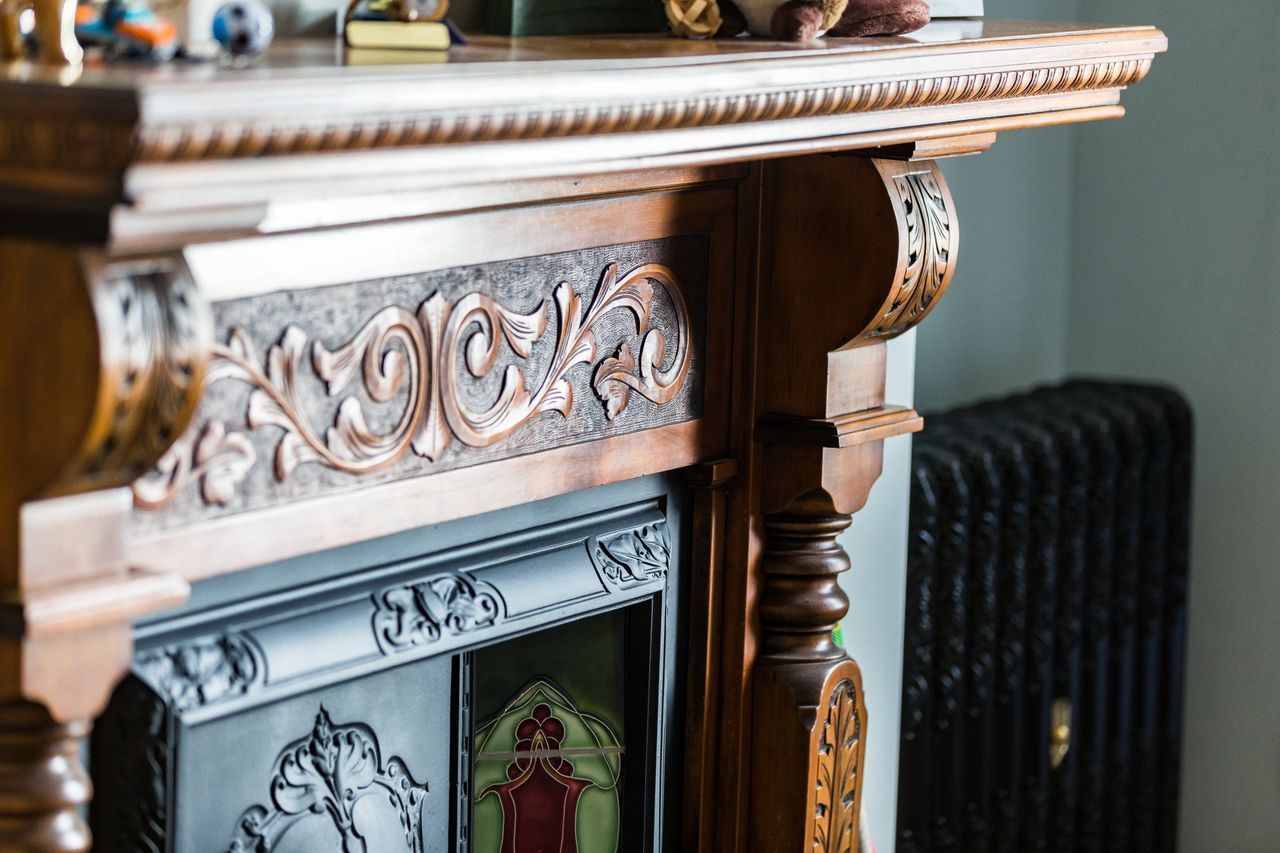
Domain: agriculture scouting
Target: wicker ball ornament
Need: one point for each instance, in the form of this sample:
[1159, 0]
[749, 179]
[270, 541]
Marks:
[693, 18]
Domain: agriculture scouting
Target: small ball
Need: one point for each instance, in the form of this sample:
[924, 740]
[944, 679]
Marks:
[243, 27]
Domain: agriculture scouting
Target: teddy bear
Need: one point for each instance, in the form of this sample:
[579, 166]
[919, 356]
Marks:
[799, 20]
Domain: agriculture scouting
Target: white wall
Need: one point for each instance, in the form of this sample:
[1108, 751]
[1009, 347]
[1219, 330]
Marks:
[877, 545]
[1172, 275]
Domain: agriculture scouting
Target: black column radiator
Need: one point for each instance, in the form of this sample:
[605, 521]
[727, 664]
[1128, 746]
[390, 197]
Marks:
[1046, 621]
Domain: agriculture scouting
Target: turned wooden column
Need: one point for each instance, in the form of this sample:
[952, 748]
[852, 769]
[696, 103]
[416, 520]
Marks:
[801, 665]
[42, 780]
[857, 250]
[104, 363]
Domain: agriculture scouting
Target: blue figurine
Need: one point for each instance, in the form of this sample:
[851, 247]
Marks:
[243, 27]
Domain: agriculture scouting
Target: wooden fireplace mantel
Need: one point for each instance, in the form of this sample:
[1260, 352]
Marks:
[257, 313]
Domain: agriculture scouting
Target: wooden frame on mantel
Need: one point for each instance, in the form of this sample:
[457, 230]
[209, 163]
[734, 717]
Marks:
[146, 214]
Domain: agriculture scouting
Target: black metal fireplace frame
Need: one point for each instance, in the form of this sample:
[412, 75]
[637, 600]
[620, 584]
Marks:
[314, 627]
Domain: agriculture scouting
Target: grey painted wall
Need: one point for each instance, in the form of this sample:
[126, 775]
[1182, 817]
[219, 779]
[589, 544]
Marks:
[1001, 328]
[1176, 277]
[1171, 273]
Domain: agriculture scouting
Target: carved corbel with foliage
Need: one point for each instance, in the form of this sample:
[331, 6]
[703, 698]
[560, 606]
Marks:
[105, 360]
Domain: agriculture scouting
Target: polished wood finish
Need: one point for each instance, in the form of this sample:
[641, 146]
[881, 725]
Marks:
[43, 784]
[466, 481]
[711, 483]
[55, 31]
[143, 208]
[810, 717]
[822, 422]
[180, 139]
[94, 404]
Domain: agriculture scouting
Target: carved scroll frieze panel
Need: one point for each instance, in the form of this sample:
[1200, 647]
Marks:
[325, 389]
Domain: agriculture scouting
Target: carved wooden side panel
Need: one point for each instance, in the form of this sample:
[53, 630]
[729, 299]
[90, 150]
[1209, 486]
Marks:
[839, 757]
[387, 379]
[810, 714]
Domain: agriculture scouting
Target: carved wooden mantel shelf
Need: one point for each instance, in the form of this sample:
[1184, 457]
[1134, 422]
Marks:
[260, 313]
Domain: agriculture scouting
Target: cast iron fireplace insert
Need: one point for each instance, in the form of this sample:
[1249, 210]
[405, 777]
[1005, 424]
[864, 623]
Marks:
[502, 684]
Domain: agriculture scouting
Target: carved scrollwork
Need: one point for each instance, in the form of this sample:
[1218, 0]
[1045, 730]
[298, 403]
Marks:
[928, 220]
[328, 773]
[422, 613]
[839, 771]
[400, 355]
[197, 672]
[635, 556]
[217, 458]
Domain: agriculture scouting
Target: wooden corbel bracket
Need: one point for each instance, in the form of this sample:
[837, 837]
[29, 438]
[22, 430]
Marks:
[845, 269]
[106, 362]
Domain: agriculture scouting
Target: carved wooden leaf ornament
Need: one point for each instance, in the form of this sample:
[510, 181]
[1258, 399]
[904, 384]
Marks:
[615, 393]
[839, 754]
[225, 458]
[219, 460]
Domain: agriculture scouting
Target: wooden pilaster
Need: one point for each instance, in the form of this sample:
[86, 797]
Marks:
[845, 268]
[105, 368]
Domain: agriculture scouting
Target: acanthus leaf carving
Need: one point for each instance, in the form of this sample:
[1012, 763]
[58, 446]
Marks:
[635, 556]
[930, 237]
[154, 333]
[197, 672]
[839, 773]
[401, 354]
[328, 773]
[613, 391]
[422, 613]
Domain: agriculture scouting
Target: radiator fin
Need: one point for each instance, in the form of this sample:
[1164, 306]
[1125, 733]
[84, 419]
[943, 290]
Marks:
[1047, 564]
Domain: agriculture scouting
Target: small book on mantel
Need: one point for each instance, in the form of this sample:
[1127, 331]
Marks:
[399, 25]
[404, 35]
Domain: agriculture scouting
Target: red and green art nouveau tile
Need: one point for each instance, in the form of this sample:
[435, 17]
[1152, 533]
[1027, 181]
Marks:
[547, 777]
